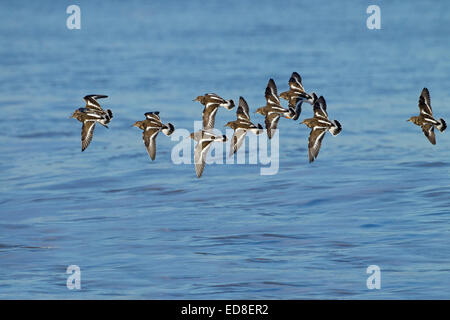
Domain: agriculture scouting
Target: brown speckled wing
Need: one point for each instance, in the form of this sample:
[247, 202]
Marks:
[428, 131]
[87, 131]
[149, 137]
[315, 142]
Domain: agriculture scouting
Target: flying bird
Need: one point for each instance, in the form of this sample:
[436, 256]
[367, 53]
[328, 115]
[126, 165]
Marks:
[426, 119]
[89, 115]
[319, 125]
[241, 126]
[152, 125]
[273, 109]
[296, 95]
[204, 139]
[212, 102]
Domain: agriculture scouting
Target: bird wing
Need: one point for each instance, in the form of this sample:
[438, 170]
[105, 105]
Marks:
[271, 93]
[298, 110]
[271, 123]
[149, 137]
[320, 108]
[314, 142]
[153, 116]
[295, 82]
[209, 116]
[87, 131]
[425, 103]
[237, 140]
[92, 103]
[428, 131]
[243, 110]
[201, 149]
[214, 98]
[293, 100]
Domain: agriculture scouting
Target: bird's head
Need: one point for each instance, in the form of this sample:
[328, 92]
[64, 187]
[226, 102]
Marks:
[412, 119]
[75, 114]
[137, 124]
[229, 124]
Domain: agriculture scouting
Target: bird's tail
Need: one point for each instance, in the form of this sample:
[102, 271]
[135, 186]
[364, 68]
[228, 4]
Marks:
[168, 129]
[230, 104]
[109, 114]
[442, 125]
[222, 138]
[336, 129]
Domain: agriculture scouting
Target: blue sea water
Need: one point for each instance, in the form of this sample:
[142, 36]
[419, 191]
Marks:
[378, 194]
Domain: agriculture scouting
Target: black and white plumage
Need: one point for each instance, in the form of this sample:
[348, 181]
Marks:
[204, 139]
[91, 114]
[212, 102]
[151, 126]
[426, 120]
[296, 95]
[241, 126]
[273, 109]
[319, 125]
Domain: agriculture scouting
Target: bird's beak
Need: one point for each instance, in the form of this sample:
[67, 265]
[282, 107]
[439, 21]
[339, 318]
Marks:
[287, 117]
[408, 120]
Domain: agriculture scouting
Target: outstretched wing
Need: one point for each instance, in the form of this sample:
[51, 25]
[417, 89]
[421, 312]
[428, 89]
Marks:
[214, 98]
[295, 82]
[428, 131]
[149, 137]
[272, 123]
[87, 132]
[425, 103]
[271, 93]
[237, 140]
[200, 152]
[320, 108]
[314, 142]
[209, 116]
[91, 101]
[298, 110]
[153, 116]
[243, 110]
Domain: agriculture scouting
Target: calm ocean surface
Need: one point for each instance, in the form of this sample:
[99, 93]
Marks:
[378, 194]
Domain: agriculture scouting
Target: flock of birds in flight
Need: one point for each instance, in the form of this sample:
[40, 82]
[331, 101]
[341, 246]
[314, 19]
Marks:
[272, 111]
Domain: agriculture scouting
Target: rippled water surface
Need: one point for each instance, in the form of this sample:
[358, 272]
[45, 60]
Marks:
[378, 194]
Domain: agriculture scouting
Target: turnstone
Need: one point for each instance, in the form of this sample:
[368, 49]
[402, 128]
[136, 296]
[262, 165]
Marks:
[212, 102]
[241, 126]
[319, 125]
[273, 109]
[296, 95]
[425, 119]
[89, 115]
[152, 125]
[204, 139]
